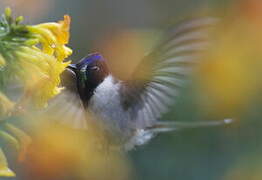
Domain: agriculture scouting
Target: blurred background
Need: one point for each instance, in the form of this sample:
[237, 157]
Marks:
[123, 31]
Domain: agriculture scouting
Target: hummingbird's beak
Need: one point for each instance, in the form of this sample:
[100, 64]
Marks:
[72, 67]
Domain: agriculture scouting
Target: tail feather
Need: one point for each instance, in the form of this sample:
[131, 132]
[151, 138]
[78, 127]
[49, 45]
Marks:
[166, 126]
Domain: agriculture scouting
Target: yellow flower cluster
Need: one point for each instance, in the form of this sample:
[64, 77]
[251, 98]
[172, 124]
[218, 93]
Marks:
[32, 56]
[42, 59]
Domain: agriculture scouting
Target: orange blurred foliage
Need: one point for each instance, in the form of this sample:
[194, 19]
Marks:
[58, 152]
[229, 76]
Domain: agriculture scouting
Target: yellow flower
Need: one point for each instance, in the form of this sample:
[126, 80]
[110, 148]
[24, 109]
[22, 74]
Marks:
[53, 37]
[4, 170]
[42, 66]
[34, 55]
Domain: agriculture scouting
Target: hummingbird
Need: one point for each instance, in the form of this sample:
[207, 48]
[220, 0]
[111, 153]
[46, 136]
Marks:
[132, 109]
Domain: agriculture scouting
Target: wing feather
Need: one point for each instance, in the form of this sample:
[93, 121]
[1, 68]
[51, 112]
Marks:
[67, 107]
[158, 79]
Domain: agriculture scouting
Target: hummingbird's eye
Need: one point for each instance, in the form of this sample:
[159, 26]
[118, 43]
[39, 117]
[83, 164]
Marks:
[95, 68]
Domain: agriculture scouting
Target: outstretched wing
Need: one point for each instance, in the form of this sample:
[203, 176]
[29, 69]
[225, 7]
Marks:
[157, 80]
[67, 107]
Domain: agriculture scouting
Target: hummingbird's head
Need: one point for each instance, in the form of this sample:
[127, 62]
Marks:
[90, 72]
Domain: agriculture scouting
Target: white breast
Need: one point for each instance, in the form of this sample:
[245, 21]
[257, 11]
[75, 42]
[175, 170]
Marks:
[106, 104]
